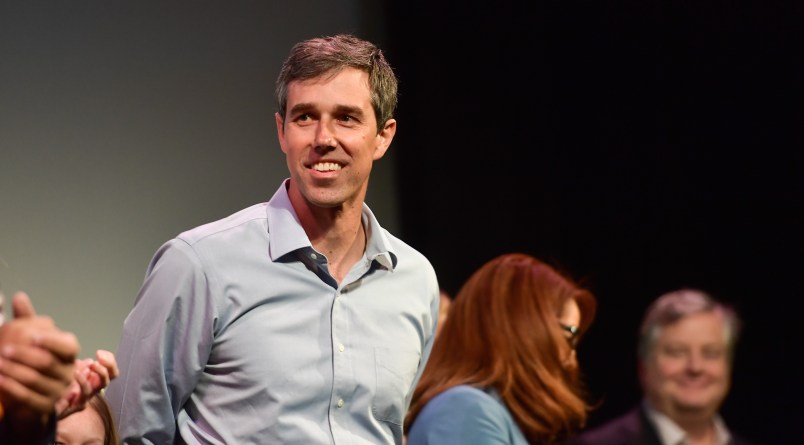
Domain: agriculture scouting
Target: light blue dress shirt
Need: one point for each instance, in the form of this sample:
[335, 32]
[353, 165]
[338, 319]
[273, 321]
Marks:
[464, 415]
[239, 336]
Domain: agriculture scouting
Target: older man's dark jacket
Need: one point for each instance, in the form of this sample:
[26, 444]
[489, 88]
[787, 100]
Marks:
[633, 428]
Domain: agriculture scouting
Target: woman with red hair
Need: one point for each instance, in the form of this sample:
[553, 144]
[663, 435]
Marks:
[503, 368]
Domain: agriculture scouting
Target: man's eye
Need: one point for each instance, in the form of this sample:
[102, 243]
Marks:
[675, 352]
[713, 354]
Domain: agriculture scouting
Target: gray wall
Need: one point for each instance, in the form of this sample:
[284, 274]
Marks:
[125, 123]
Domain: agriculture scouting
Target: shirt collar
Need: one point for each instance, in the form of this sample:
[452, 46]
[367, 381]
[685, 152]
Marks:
[671, 434]
[287, 234]
[721, 432]
[378, 246]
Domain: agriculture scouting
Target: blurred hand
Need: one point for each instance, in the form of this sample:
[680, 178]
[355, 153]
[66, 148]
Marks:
[91, 377]
[37, 361]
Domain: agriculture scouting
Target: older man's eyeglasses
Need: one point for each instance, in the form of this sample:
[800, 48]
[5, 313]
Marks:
[573, 332]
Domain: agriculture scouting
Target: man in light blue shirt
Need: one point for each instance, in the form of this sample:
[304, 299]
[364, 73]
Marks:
[296, 321]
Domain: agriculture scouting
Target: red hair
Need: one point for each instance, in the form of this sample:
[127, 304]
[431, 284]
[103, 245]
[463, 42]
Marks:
[502, 332]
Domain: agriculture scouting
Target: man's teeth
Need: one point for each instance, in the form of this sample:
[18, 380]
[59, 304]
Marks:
[326, 166]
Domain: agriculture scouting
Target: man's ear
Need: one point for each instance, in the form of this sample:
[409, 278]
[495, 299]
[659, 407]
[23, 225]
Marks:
[384, 138]
[280, 131]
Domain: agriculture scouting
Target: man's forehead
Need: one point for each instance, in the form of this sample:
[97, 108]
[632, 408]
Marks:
[341, 94]
[692, 327]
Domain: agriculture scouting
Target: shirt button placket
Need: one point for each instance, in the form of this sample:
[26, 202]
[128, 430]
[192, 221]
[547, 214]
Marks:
[337, 335]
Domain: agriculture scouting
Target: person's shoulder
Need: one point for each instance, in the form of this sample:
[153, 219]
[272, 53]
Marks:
[466, 393]
[398, 246]
[409, 257]
[625, 429]
[241, 219]
[462, 405]
[408, 261]
[469, 402]
[464, 415]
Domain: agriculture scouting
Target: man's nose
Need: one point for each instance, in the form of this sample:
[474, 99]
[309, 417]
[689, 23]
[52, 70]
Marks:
[695, 362]
[324, 136]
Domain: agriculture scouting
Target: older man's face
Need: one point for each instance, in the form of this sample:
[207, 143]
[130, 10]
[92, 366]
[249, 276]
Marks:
[688, 373]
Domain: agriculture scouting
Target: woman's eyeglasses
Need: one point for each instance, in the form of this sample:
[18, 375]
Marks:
[573, 331]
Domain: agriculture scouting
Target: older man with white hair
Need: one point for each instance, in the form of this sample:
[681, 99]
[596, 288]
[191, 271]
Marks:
[686, 350]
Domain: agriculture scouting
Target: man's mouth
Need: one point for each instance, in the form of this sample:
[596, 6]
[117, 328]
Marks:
[326, 166]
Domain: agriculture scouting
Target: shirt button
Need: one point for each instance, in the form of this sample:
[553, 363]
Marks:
[313, 256]
[341, 348]
[340, 403]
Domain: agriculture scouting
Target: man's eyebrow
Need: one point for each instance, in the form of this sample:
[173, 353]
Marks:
[348, 109]
[306, 107]
[301, 107]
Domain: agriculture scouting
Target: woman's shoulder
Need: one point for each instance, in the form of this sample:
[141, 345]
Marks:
[461, 393]
[464, 415]
[466, 403]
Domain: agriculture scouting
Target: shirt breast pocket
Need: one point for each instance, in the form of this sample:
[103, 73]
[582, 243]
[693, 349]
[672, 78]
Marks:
[395, 370]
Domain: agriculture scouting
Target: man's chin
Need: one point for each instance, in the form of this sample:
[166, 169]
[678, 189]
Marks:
[694, 405]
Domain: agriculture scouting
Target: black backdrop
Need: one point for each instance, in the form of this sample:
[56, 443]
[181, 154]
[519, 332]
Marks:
[642, 146]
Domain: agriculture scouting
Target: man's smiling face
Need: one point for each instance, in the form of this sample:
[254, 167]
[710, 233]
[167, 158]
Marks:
[330, 139]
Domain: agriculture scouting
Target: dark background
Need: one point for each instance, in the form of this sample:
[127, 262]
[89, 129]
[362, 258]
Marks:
[642, 146]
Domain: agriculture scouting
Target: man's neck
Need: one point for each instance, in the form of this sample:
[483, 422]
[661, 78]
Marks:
[698, 426]
[337, 233]
[700, 432]
[343, 246]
